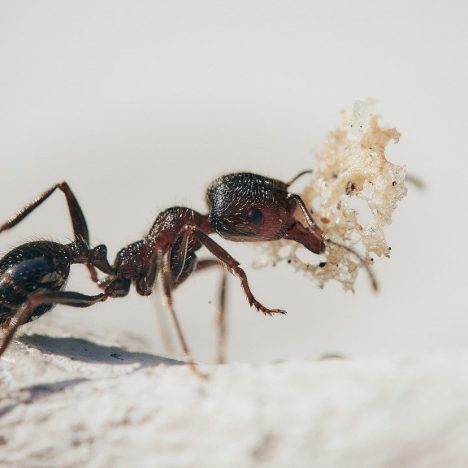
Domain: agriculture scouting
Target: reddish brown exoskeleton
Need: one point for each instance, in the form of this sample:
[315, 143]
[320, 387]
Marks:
[243, 207]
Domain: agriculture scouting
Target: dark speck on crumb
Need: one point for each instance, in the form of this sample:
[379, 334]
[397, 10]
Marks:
[322, 264]
[350, 187]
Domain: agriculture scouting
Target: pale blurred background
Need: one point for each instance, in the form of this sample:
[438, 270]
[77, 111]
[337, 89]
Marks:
[139, 105]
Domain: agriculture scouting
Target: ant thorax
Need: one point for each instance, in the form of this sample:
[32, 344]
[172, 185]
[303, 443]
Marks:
[169, 223]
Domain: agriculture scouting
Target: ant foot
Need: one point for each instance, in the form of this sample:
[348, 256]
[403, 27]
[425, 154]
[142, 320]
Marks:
[274, 311]
[265, 310]
[198, 373]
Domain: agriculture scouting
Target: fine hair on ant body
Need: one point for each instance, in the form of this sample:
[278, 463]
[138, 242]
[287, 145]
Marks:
[243, 207]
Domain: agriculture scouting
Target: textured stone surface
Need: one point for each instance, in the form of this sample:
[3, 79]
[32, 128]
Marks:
[69, 402]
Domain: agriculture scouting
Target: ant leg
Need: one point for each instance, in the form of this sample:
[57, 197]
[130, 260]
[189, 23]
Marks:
[221, 320]
[80, 228]
[231, 264]
[163, 326]
[102, 284]
[220, 309]
[166, 280]
[70, 298]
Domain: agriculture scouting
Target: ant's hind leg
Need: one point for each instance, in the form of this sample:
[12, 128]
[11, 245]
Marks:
[70, 298]
[220, 308]
[80, 228]
[166, 280]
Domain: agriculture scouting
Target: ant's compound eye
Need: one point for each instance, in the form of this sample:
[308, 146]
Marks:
[255, 216]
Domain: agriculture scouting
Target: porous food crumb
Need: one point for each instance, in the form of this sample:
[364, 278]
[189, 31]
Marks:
[352, 195]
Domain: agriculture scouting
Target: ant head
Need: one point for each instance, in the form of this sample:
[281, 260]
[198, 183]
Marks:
[249, 207]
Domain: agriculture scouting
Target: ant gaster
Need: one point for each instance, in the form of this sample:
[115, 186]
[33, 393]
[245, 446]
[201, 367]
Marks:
[243, 207]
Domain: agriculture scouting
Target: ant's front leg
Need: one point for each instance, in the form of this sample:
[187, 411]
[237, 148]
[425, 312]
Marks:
[230, 263]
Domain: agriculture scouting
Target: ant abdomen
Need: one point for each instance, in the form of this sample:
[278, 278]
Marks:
[30, 268]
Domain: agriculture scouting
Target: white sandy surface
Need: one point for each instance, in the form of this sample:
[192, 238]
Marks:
[71, 402]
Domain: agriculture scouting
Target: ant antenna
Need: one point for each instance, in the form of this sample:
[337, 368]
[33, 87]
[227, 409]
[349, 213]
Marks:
[416, 181]
[307, 171]
[375, 285]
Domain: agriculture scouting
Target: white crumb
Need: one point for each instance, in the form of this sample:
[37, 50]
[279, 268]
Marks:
[352, 195]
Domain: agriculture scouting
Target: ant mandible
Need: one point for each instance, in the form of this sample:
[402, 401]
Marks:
[243, 207]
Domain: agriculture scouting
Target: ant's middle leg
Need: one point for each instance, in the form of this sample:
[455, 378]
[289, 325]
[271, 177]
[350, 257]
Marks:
[220, 307]
[70, 298]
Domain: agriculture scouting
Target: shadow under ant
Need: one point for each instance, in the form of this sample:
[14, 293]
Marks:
[79, 349]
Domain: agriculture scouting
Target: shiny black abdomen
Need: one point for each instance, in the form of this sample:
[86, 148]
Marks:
[30, 268]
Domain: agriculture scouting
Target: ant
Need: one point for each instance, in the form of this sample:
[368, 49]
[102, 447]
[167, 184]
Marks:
[243, 207]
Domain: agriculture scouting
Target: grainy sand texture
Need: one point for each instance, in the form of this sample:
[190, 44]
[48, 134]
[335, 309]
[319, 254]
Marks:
[72, 402]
